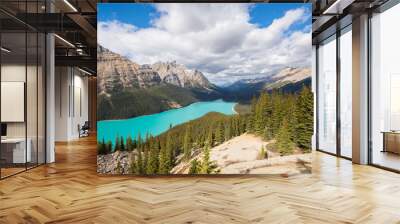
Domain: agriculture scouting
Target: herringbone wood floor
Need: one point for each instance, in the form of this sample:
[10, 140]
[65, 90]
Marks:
[70, 191]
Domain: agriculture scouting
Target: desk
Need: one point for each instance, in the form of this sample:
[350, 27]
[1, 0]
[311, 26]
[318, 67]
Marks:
[13, 150]
[391, 141]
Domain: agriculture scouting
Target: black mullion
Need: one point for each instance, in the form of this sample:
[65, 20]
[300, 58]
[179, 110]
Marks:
[338, 77]
[369, 89]
[45, 96]
[317, 97]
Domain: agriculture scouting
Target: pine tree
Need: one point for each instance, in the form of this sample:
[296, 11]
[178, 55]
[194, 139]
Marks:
[139, 163]
[187, 146]
[251, 117]
[164, 167]
[101, 148]
[304, 119]
[170, 153]
[219, 133]
[236, 128]
[267, 135]
[228, 131]
[277, 113]
[194, 166]
[132, 166]
[129, 144]
[122, 145]
[166, 155]
[152, 165]
[283, 142]
[146, 142]
[259, 125]
[263, 153]
[145, 158]
[289, 111]
[205, 167]
[139, 140]
[117, 146]
[242, 122]
[134, 144]
[109, 147]
[210, 137]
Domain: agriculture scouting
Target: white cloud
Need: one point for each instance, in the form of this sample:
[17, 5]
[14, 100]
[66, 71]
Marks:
[217, 39]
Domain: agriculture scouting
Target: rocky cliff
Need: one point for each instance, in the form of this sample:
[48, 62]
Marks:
[116, 73]
[179, 75]
[292, 75]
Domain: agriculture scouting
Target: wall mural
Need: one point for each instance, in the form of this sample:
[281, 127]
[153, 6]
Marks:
[204, 89]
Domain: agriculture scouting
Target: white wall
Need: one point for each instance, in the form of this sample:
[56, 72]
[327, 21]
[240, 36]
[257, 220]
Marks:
[71, 94]
[12, 73]
[62, 82]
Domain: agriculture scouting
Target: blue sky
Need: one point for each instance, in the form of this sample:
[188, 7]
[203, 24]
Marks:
[227, 42]
[141, 15]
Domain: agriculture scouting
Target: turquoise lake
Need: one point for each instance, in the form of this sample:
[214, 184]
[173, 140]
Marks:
[156, 124]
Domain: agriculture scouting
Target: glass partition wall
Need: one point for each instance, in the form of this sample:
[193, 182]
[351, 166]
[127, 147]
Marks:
[334, 94]
[22, 107]
[385, 89]
[327, 95]
[345, 91]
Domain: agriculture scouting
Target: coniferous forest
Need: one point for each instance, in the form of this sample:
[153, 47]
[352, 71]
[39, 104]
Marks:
[285, 120]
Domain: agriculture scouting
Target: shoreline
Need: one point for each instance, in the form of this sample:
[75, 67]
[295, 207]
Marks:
[105, 125]
[233, 109]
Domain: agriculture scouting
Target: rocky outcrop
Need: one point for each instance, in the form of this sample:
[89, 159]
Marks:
[147, 77]
[241, 155]
[179, 75]
[116, 73]
[114, 163]
[292, 75]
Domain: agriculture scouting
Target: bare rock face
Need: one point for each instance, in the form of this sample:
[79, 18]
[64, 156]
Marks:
[147, 77]
[179, 75]
[172, 79]
[114, 163]
[116, 73]
[292, 74]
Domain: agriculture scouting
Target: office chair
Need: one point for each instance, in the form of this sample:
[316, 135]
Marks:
[84, 130]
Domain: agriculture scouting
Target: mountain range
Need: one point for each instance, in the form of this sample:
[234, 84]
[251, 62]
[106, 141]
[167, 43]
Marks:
[286, 80]
[117, 73]
[128, 89]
